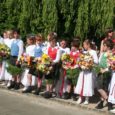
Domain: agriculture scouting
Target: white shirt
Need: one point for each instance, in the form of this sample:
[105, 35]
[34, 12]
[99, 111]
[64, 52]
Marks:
[94, 55]
[1, 40]
[30, 50]
[65, 50]
[8, 42]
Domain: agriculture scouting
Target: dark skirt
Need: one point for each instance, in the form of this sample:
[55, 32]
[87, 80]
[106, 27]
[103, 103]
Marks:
[54, 75]
[13, 60]
[103, 80]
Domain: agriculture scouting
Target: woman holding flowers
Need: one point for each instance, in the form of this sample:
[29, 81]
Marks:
[85, 84]
[104, 77]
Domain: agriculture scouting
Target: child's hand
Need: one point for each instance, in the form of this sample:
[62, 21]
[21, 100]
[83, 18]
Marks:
[102, 70]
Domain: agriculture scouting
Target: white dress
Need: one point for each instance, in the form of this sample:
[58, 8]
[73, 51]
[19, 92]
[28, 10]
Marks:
[7, 42]
[64, 83]
[85, 83]
[5, 75]
[24, 79]
[111, 97]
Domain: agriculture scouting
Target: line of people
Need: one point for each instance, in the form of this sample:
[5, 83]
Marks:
[57, 83]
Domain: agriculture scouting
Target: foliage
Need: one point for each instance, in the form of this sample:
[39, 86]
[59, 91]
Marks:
[85, 18]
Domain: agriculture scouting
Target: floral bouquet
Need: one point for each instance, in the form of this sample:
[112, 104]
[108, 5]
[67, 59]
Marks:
[44, 64]
[86, 61]
[111, 61]
[4, 51]
[67, 61]
[71, 67]
[26, 61]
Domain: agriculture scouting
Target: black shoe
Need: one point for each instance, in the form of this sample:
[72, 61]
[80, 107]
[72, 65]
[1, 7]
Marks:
[67, 95]
[74, 97]
[110, 106]
[37, 91]
[28, 90]
[12, 85]
[17, 86]
[47, 95]
[100, 105]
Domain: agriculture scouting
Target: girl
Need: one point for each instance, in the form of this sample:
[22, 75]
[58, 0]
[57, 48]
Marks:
[8, 42]
[74, 54]
[64, 50]
[49, 37]
[51, 80]
[38, 51]
[16, 52]
[29, 52]
[108, 35]
[103, 79]
[85, 84]
[111, 98]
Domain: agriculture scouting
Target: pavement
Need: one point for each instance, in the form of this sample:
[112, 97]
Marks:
[70, 102]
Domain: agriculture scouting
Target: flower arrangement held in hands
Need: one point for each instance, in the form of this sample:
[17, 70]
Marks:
[44, 64]
[4, 51]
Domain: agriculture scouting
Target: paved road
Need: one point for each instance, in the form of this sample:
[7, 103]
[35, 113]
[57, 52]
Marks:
[12, 103]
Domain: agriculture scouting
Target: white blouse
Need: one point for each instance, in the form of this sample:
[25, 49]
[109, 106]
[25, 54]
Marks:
[8, 42]
[65, 50]
[30, 50]
[94, 55]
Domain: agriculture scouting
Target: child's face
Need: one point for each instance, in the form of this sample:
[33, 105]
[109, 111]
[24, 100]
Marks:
[29, 41]
[85, 46]
[5, 35]
[63, 44]
[53, 43]
[73, 48]
[110, 34]
[38, 40]
[48, 37]
[105, 48]
[16, 35]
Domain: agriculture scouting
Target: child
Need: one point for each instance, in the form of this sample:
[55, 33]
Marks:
[38, 51]
[111, 98]
[74, 54]
[54, 52]
[29, 52]
[8, 41]
[16, 52]
[49, 37]
[103, 79]
[62, 82]
[85, 84]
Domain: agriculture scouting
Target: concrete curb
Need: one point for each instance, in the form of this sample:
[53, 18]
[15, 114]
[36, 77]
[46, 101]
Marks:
[61, 101]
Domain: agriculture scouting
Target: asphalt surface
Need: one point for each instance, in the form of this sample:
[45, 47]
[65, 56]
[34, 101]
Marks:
[12, 103]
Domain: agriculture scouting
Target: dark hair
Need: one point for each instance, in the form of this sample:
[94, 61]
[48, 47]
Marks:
[16, 30]
[75, 43]
[108, 30]
[53, 35]
[89, 42]
[109, 43]
[30, 36]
